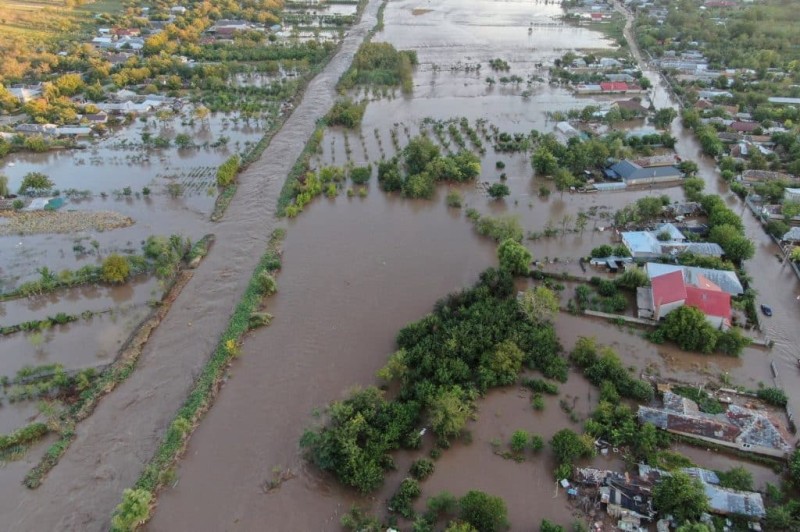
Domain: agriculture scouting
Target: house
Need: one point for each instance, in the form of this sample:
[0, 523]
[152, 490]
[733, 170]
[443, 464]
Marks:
[784, 101]
[721, 501]
[792, 235]
[103, 42]
[587, 88]
[25, 94]
[740, 428]
[726, 280]
[641, 244]
[634, 104]
[627, 78]
[36, 129]
[96, 118]
[73, 131]
[791, 194]
[178, 10]
[126, 32]
[672, 289]
[566, 129]
[633, 174]
[609, 62]
[614, 86]
[744, 127]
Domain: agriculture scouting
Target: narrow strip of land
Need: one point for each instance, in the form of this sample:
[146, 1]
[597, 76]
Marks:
[113, 445]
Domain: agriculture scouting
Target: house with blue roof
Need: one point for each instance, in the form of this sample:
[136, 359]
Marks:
[633, 174]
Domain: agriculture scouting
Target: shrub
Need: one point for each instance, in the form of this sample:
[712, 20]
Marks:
[498, 190]
[226, 173]
[499, 165]
[4, 191]
[401, 501]
[537, 443]
[485, 512]
[115, 269]
[421, 469]
[346, 113]
[36, 181]
[773, 396]
[519, 440]
[361, 174]
[17, 204]
[132, 511]
[420, 186]
[514, 257]
[454, 199]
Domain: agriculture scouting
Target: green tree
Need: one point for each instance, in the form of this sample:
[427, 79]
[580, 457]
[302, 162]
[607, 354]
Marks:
[183, 141]
[485, 512]
[563, 179]
[115, 269]
[794, 467]
[693, 527]
[680, 495]
[736, 246]
[539, 304]
[132, 511]
[500, 366]
[35, 181]
[449, 412]
[544, 162]
[4, 191]
[514, 257]
[498, 190]
[569, 446]
[664, 117]
[689, 329]
[547, 526]
[418, 153]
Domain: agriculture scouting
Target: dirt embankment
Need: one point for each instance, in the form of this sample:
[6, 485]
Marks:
[41, 222]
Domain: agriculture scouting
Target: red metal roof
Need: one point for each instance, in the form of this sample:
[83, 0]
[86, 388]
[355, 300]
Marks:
[744, 127]
[711, 302]
[614, 86]
[668, 288]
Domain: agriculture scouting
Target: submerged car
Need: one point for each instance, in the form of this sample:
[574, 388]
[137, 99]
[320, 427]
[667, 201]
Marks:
[766, 310]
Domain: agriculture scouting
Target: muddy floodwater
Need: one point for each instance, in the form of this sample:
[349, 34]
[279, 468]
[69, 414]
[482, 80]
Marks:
[355, 271]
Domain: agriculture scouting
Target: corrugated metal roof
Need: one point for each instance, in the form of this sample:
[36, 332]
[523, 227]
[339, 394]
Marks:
[726, 280]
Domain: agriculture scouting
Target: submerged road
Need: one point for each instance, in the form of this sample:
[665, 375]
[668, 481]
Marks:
[114, 444]
[774, 281]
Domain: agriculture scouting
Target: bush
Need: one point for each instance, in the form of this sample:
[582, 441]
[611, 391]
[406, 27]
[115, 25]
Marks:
[514, 257]
[226, 173]
[498, 228]
[132, 511]
[35, 181]
[773, 396]
[519, 441]
[267, 285]
[361, 174]
[115, 269]
[498, 190]
[419, 186]
[346, 113]
[537, 443]
[18, 204]
[484, 512]
[421, 469]
[454, 199]
[4, 191]
[389, 176]
[404, 496]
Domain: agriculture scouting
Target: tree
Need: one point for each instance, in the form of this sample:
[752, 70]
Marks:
[563, 179]
[115, 269]
[498, 190]
[689, 329]
[664, 117]
[689, 168]
[500, 366]
[183, 141]
[539, 304]
[736, 246]
[693, 527]
[794, 467]
[132, 511]
[680, 495]
[580, 221]
[485, 512]
[4, 191]
[569, 446]
[514, 257]
[794, 255]
[790, 209]
[418, 153]
[544, 162]
[547, 526]
[389, 176]
[35, 181]
[449, 412]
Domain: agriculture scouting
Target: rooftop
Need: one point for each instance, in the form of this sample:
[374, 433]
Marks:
[725, 280]
[668, 288]
[711, 302]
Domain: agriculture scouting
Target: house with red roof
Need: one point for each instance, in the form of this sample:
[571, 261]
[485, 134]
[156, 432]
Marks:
[614, 86]
[671, 290]
[744, 127]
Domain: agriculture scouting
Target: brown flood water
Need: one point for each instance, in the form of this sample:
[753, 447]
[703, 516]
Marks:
[341, 302]
[113, 444]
